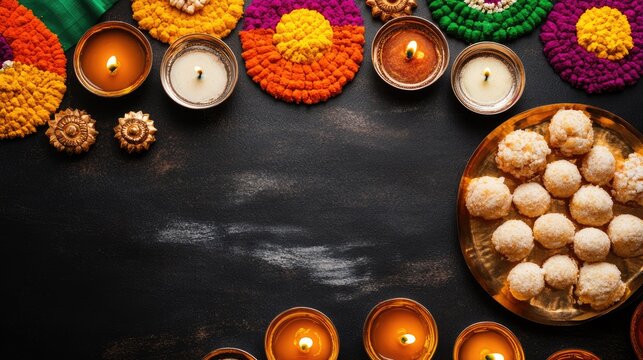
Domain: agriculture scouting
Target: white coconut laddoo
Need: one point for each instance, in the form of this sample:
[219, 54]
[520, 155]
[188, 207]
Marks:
[554, 230]
[598, 165]
[488, 197]
[560, 271]
[531, 199]
[513, 239]
[628, 180]
[571, 131]
[591, 244]
[522, 153]
[591, 205]
[562, 178]
[626, 233]
[526, 280]
[599, 285]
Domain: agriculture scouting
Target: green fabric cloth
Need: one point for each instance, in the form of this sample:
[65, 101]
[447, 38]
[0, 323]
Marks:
[69, 19]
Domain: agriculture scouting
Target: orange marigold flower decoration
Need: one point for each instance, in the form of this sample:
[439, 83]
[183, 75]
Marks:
[32, 77]
[167, 23]
[302, 50]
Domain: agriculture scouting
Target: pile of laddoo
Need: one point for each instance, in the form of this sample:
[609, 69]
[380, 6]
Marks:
[587, 176]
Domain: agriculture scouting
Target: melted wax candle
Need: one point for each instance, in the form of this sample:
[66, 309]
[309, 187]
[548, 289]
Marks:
[302, 339]
[400, 334]
[409, 56]
[486, 80]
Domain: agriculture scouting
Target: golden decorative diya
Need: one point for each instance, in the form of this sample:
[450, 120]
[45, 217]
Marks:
[636, 331]
[573, 354]
[487, 338]
[72, 131]
[229, 353]
[416, 67]
[301, 333]
[389, 9]
[400, 328]
[112, 59]
[135, 132]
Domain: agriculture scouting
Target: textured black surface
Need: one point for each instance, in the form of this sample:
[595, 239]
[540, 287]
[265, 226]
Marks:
[242, 211]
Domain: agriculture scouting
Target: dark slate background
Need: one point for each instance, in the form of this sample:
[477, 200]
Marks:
[245, 210]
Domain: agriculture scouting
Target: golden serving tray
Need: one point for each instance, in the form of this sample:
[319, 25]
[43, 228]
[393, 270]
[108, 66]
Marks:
[553, 307]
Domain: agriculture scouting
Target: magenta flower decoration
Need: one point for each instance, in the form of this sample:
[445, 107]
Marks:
[595, 45]
[5, 51]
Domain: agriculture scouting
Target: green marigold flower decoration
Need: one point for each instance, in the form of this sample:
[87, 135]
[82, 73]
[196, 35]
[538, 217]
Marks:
[495, 20]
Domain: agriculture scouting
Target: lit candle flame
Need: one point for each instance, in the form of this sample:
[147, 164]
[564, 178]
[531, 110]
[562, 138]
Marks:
[411, 48]
[407, 339]
[199, 72]
[305, 344]
[112, 65]
[494, 356]
[487, 73]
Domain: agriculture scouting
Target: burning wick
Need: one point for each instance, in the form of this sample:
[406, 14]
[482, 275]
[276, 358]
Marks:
[411, 48]
[494, 356]
[407, 339]
[305, 344]
[112, 65]
[486, 74]
[199, 72]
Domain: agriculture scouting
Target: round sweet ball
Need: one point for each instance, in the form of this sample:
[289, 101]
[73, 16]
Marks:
[598, 165]
[531, 199]
[562, 178]
[628, 180]
[560, 271]
[626, 233]
[591, 206]
[522, 153]
[488, 197]
[526, 280]
[599, 285]
[591, 244]
[554, 230]
[513, 239]
[571, 131]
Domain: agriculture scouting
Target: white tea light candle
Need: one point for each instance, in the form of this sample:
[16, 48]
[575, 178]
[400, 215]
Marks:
[199, 71]
[199, 76]
[487, 77]
[486, 80]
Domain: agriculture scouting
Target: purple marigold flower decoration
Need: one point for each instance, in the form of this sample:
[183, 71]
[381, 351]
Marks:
[601, 63]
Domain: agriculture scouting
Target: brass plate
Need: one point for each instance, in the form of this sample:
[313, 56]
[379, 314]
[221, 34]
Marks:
[553, 307]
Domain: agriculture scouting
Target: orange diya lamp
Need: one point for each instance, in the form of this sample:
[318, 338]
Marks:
[229, 353]
[301, 334]
[112, 59]
[400, 329]
[487, 341]
[410, 53]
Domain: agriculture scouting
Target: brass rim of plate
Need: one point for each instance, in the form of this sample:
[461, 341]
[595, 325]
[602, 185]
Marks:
[229, 353]
[389, 9]
[299, 313]
[504, 54]
[573, 354]
[636, 317]
[627, 134]
[415, 23]
[404, 303]
[485, 326]
[205, 42]
[87, 84]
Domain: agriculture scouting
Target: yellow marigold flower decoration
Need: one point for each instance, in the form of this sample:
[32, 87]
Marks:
[303, 35]
[167, 23]
[28, 96]
[606, 32]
